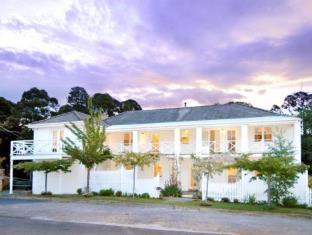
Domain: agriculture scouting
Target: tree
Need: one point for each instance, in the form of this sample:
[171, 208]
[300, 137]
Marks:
[134, 160]
[78, 99]
[130, 105]
[6, 109]
[91, 137]
[47, 167]
[208, 166]
[35, 105]
[110, 105]
[276, 168]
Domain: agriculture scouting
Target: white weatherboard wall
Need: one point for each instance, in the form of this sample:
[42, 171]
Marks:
[59, 182]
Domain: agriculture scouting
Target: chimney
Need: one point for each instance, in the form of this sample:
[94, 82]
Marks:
[184, 104]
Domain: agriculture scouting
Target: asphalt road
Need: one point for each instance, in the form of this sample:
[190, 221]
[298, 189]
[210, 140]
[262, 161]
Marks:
[19, 226]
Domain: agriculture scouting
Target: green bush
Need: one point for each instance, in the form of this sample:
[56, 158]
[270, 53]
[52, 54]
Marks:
[210, 199]
[225, 199]
[171, 190]
[251, 199]
[46, 193]
[145, 195]
[107, 192]
[79, 191]
[95, 193]
[290, 202]
[236, 200]
[118, 194]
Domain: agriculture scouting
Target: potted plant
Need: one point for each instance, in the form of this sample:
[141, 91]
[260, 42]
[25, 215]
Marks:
[1, 169]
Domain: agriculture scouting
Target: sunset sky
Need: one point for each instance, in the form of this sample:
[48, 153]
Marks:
[160, 53]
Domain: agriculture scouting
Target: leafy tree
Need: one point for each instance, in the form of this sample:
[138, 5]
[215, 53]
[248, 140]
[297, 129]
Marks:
[208, 166]
[35, 105]
[276, 168]
[132, 159]
[65, 109]
[110, 105]
[47, 167]
[92, 138]
[6, 109]
[297, 102]
[78, 99]
[130, 105]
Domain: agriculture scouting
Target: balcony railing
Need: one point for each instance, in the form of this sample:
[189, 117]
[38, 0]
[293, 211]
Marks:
[36, 147]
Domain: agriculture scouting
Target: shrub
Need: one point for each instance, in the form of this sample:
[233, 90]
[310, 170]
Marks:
[145, 195]
[211, 199]
[290, 201]
[118, 194]
[236, 200]
[79, 191]
[46, 193]
[225, 199]
[197, 194]
[251, 199]
[95, 193]
[171, 190]
[107, 192]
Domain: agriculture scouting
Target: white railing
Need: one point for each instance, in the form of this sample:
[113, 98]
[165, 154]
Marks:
[228, 146]
[163, 147]
[309, 201]
[258, 146]
[36, 147]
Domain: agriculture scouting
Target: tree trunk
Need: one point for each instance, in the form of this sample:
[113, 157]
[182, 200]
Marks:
[133, 185]
[45, 182]
[207, 187]
[88, 181]
[269, 182]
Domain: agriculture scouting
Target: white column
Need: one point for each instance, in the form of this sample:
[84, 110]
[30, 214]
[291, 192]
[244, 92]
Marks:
[199, 141]
[11, 176]
[135, 141]
[177, 142]
[297, 140]
[244, 139]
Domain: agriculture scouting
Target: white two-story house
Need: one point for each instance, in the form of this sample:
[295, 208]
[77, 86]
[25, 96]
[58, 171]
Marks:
[176, 133]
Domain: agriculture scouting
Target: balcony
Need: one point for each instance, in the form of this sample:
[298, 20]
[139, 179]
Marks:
[32, 149]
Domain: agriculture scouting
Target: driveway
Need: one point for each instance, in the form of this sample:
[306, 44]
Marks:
[139, 219]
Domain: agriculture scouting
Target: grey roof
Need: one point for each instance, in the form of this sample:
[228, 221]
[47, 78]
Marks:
[65, 117]
[212, 112]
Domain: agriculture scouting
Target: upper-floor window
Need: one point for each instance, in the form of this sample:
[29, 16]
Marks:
[127, 139]
[185, 137]
[263, 133]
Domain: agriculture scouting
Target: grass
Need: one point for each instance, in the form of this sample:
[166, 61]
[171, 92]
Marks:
[192, 204]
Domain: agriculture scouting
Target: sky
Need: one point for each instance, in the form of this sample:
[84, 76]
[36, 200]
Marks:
[160, 53]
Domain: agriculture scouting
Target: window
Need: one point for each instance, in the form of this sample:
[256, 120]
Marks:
[155, 142]
[231, 137]
[127, 139]
[57, 136]
[263, 133]
[258, 134]
[232, 175]
[157, 170]
[267, 134]
[185, 138]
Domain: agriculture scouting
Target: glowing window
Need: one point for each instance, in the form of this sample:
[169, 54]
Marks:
[157, 170]
[232, 175]
[258, 134]
[185, 139]
[127, 139]
[267, 134]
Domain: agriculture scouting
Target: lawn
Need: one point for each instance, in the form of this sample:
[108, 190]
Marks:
[193, 204]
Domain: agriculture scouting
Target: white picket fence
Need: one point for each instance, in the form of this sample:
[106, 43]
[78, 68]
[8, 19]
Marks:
[310, 197]
[122, 180]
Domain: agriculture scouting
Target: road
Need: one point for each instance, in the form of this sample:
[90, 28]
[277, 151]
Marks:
[26, 216]
[19, 226]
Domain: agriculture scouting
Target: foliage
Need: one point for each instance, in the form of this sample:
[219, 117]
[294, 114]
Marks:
[310, 182]
[171, 190]
[210, 199]
[251, 199]
[132, 159]
[276, 168]
[79, 191]
[225, 199]
[144, 195]
[290, 202]
[118, 194]
[48, 193]
[106, 192]
[92, 138]
[78, 99]
[236, 200]
[35, 105]
[1, 160]
[46, 167]
[208, 166]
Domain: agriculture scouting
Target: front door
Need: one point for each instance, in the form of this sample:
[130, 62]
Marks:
[155, 142]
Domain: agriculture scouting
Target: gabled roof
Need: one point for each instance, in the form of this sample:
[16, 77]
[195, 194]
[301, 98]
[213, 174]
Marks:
[199, 113]
[72, 116]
